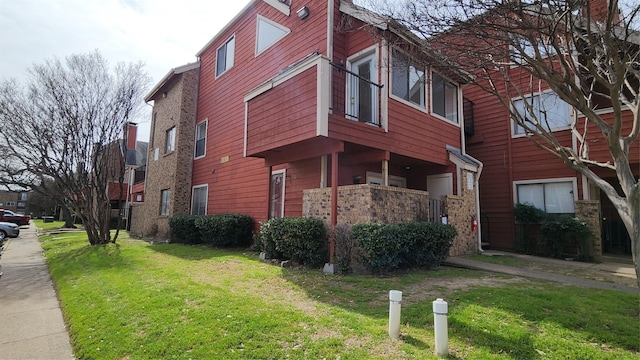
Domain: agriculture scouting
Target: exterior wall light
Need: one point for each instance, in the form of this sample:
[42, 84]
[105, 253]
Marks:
[303, 12]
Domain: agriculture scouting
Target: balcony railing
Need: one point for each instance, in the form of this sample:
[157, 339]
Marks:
[355, 96]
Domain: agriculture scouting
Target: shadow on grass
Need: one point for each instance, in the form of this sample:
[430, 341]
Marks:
[199, 251]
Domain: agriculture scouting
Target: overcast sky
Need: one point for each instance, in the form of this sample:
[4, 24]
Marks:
[162, 33]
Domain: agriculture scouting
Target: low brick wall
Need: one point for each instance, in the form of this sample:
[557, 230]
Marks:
[368, 203]
[589, 212]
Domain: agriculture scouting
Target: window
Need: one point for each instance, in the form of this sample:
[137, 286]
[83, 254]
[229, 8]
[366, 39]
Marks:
[224, 61]
[11, 203]
[522, 48]
[201, 139]
[394, 181]
[199, 200]
[277, 194]
[545, 108]
[23, 197]
[170, 142]
[268, 33]
[444, 98]
[165, 196]
[555, 197]
[21, 205]
[407, 80]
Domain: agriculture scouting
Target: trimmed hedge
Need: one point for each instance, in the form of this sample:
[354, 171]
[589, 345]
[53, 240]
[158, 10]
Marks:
[562, 230]
[184, 230]
[387, 247]
[223, 230]
[299, 239]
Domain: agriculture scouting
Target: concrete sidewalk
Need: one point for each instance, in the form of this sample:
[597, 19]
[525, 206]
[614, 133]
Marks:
[621, 269]
[31, 324]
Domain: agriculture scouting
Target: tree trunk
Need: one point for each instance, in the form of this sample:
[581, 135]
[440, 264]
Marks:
[68, 219]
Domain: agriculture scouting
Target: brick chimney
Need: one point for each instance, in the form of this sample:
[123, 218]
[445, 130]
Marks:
[131, 134]
[598, 10]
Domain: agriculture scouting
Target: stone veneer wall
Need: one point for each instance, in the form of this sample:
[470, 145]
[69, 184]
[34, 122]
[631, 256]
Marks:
[373, 203]
[172, 170]
[367, 203]
[589, 212]
[460, 209]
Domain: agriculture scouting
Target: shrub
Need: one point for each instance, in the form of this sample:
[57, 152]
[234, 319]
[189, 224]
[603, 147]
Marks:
[299, 239]
[527, 215]
[563, 230]
[225, 230]
[386, 247]
[183, 229]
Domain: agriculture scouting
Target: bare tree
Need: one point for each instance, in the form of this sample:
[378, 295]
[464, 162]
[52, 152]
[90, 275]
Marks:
[65, 125]
[586, 51]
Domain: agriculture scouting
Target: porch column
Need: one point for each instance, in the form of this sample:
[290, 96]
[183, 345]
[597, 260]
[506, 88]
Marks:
[270, 169]
[334, 203]
[385, 172]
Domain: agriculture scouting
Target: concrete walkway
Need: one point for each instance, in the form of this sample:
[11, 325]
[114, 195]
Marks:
[626, 270]
[31, 324]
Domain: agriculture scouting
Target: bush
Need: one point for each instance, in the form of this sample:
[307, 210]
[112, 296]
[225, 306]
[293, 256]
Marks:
[386, 247]
[299, 239]
[527, 216]
[225, 230]
[565, 230]
[184, 230]
[343, 247]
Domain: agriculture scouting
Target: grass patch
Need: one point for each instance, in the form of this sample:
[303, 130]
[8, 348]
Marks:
[498, 259]
[141, 301]
[40, 224]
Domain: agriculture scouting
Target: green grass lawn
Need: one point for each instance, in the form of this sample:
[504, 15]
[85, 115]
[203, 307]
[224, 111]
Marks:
[134, 300]
[40, 224]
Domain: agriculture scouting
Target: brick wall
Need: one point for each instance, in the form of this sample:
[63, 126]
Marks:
[589, 211]
[171, 170]
[367, 203]
[460, 210]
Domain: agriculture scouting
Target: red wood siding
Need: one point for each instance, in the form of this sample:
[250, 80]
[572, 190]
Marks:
[241, 184]
[269, 126]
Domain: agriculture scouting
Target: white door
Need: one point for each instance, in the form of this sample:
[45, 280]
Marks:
[361, 104]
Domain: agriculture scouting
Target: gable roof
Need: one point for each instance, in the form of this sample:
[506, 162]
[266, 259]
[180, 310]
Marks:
[175, 71]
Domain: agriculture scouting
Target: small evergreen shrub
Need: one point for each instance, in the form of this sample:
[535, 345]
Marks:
[564, 230]
[183, 229]
[225, 230]
[386, 247]
[299, 239]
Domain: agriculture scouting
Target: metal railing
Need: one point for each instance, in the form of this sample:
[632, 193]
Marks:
[354, 96]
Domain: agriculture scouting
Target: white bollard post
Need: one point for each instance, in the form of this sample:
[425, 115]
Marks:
[395, 298]
[440, 313]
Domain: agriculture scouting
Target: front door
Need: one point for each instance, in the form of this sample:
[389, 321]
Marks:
[361, 91]
[277, 194]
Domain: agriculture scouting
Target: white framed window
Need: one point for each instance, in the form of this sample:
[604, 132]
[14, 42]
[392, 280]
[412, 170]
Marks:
[522, 48]
[170, 140]
[277, 193]
[225, 56]
[11, 203]
[165, 198]
[407, 80]
[268, 33]
[201, 139]
[374, 178]
[362, 90]
[444, 98]
[545, 108]
[23, 197]
[554, 196]
[199, 197]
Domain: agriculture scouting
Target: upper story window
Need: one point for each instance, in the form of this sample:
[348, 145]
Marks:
[225, 57]
[201, 139]
[523, 48]
[23, 197]
[407, 80]
[554, 196]
[444, 98]
[170, 142]
[546, 108]
[268, 33]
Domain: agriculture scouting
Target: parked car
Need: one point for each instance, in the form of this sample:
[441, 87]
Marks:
[10, 216]
[8, 229]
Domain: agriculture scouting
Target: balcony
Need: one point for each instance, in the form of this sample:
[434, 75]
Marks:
[291, 111]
